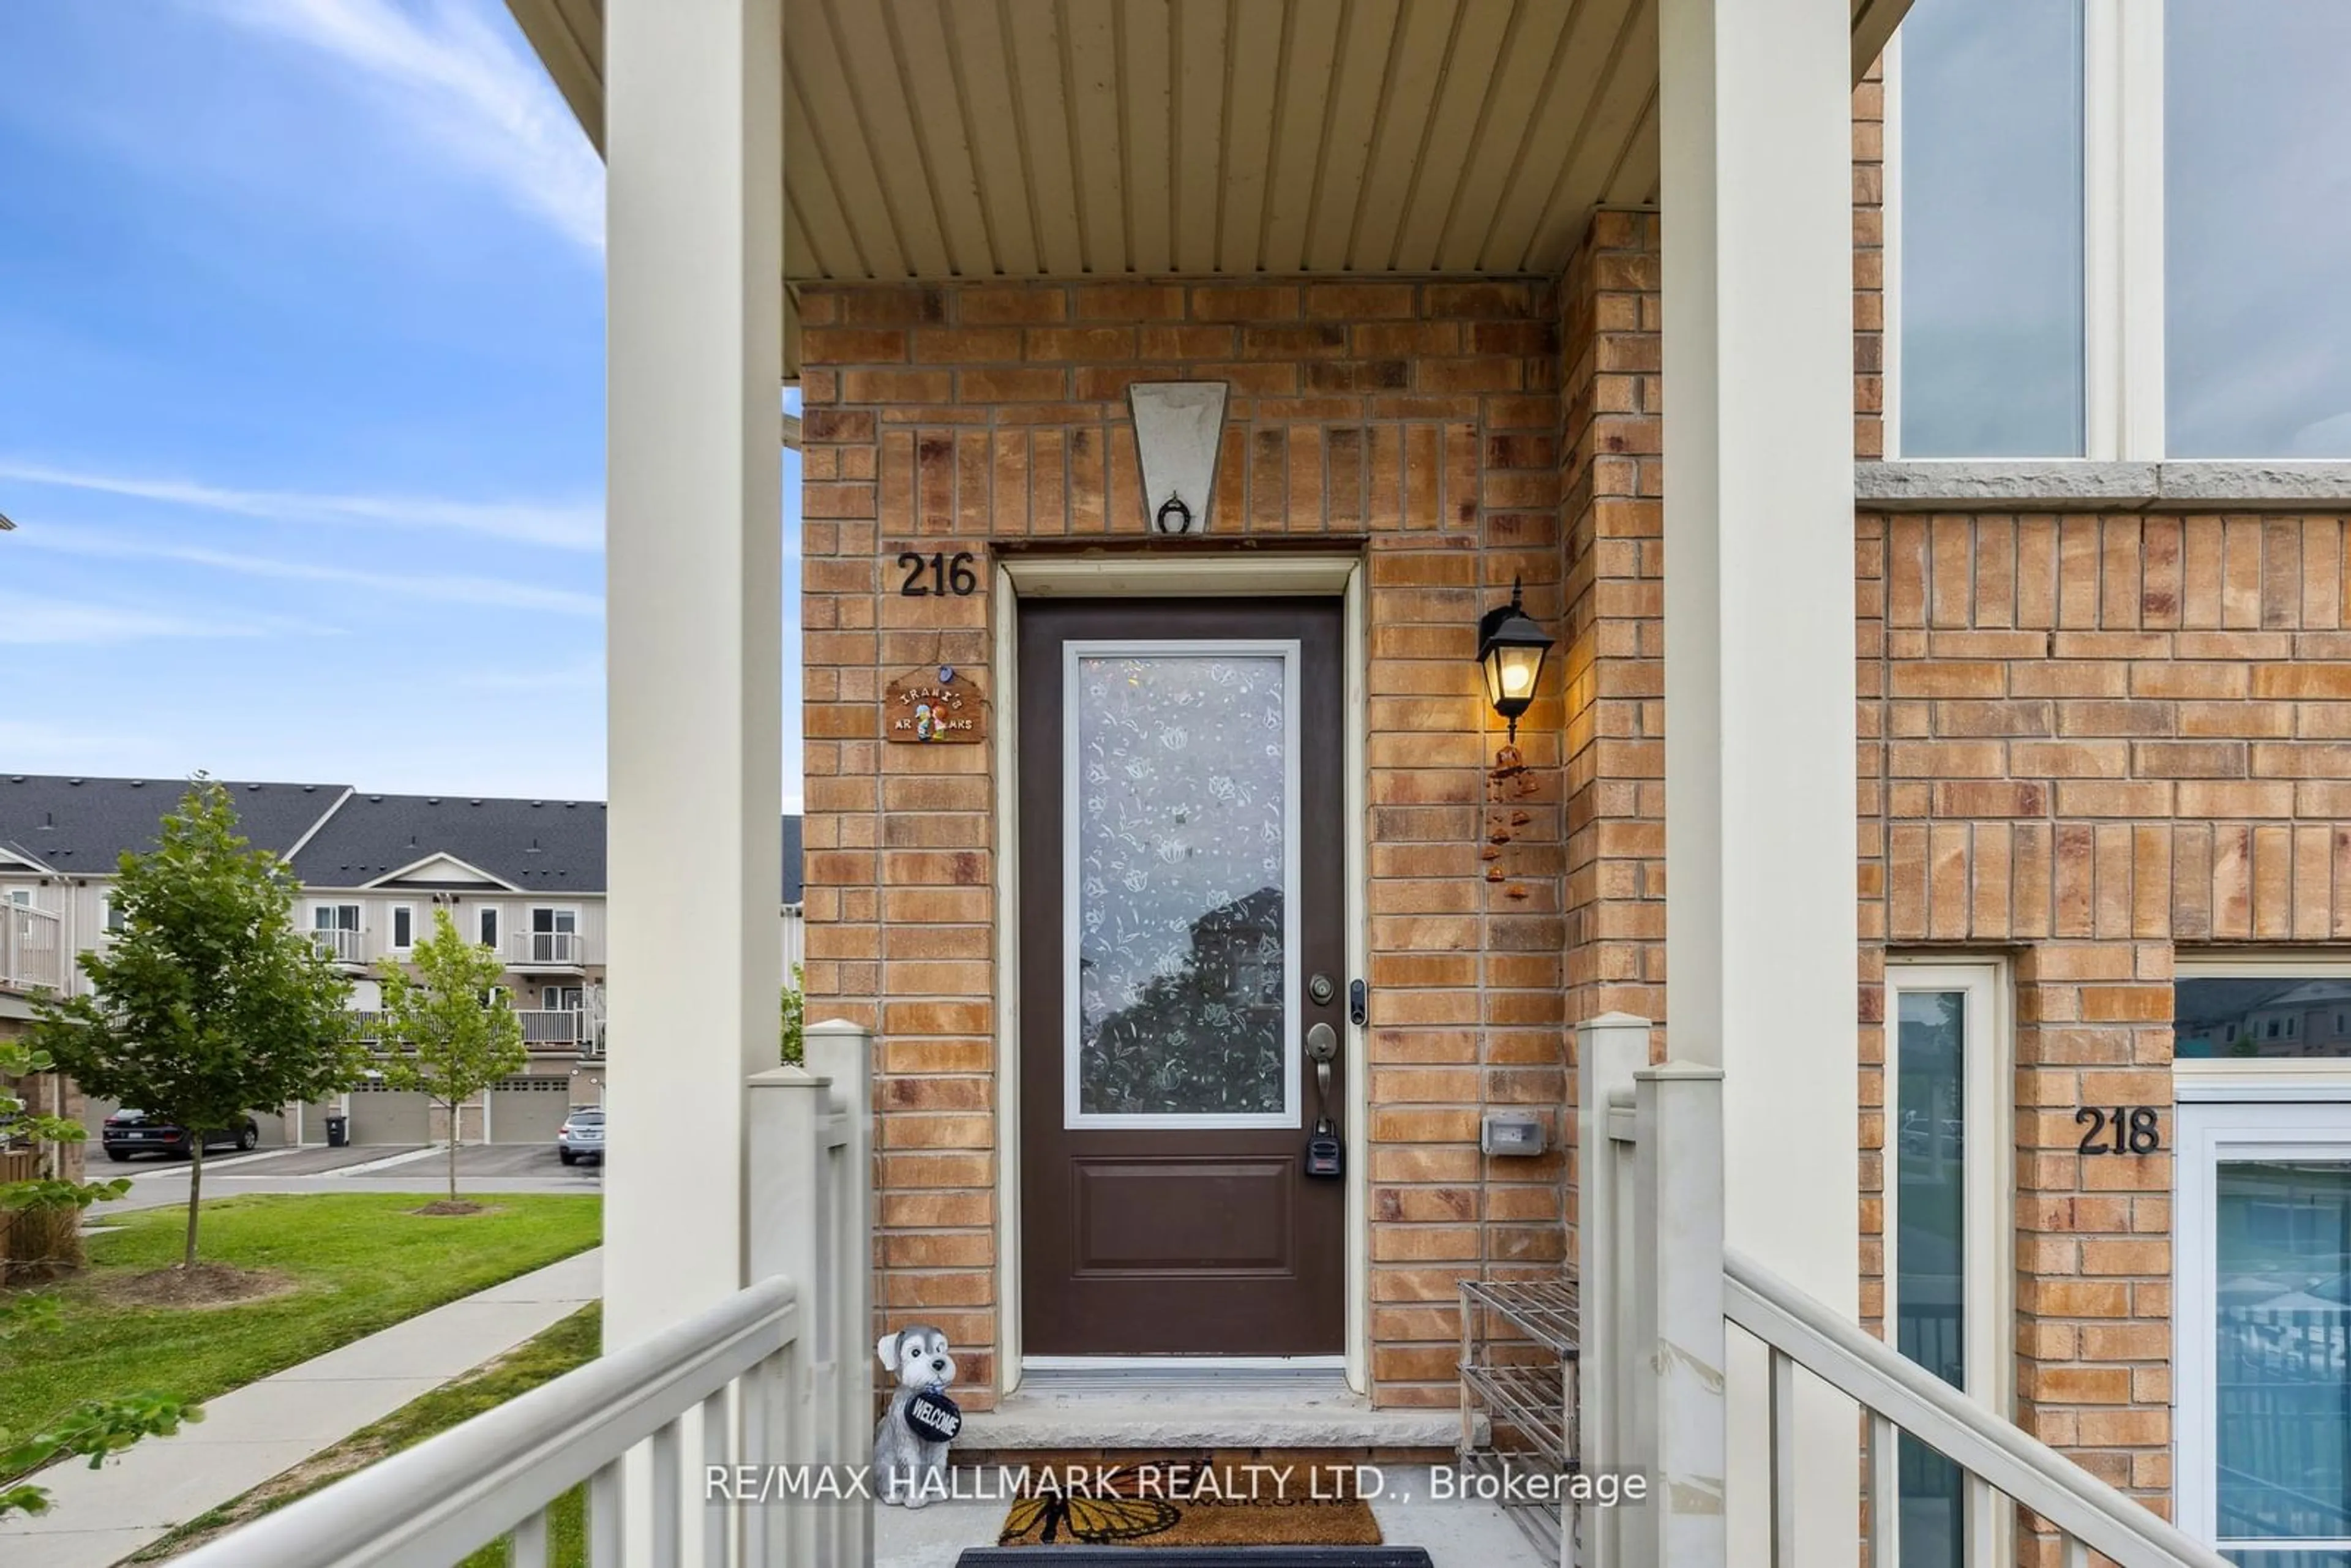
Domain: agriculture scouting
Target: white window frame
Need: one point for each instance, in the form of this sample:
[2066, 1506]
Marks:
[2122, 238]
[107, 924]
[496, 917]
[358, 914]
[2219, 1077]
[2206, 1135]
[1289, 650]
[1988, 1222]
[391, 928]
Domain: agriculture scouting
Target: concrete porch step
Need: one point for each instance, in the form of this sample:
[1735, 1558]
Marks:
[1178, 1408]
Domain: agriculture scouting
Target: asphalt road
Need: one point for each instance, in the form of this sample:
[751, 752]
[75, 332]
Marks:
[365, 1168]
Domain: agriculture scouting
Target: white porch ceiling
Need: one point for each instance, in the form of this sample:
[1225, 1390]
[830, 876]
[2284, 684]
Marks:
[948, 138]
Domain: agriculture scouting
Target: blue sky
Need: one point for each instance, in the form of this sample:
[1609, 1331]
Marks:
[301, 400]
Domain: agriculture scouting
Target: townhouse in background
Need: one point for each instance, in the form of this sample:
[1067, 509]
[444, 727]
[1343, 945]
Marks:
[523, 877]
[1938, 496]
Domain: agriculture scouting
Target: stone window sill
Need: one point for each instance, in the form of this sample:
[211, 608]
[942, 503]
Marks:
[2063, 486]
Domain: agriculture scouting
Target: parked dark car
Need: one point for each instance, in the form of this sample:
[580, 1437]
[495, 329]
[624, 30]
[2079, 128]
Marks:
[129, 1132]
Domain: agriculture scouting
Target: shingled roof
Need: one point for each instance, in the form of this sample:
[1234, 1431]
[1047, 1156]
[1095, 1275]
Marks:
[555, 846]
[82, 827]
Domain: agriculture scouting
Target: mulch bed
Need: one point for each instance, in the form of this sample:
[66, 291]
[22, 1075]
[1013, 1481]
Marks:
[198, 1287]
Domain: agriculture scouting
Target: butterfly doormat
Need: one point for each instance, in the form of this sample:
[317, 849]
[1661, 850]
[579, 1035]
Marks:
[1180, 1501]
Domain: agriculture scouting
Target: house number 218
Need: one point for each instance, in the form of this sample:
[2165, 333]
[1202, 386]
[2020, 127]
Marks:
[2121, 1130]
[937, 574]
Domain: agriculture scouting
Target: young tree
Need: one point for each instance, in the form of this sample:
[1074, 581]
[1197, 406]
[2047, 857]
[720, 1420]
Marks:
[794, 1015]
[208, 1003]
[454, 1035]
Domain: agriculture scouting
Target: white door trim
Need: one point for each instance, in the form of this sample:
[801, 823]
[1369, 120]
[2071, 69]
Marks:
[1187, 573]
[2207, 1133]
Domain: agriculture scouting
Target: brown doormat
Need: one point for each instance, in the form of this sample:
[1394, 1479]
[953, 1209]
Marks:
[1190, 1501]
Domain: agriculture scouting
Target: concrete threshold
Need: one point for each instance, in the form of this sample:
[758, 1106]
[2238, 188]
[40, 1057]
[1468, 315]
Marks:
[1174, 1408]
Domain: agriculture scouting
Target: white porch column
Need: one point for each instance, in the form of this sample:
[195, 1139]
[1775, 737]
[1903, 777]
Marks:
[693, 151]
[1755, 107]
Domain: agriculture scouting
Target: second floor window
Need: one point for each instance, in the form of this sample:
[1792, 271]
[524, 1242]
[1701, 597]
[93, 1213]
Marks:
[2116, 230]
[1987, 203]
[485, 924]
[404, 927]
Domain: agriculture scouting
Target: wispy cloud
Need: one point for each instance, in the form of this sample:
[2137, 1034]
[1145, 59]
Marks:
[476, 95]
[576, 526]
[585, 675]
[27, 743]
[449, 590]
[31, 619]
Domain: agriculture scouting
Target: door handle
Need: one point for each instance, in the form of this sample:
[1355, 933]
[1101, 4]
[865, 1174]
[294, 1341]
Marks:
[1325, 1156]
[1321, 1050]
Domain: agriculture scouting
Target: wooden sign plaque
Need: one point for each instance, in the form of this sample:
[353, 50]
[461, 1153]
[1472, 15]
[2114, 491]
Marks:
[934, 707]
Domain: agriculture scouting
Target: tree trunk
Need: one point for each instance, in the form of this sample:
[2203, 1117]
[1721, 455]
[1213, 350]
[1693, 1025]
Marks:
[452, 1151]
[195, 1195]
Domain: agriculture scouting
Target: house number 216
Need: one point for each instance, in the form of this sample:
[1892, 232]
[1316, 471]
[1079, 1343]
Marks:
[2120, 1130]
[937, 574]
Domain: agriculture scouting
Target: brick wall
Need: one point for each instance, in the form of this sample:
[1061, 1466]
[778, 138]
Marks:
[1416, 422]
[2092, 738]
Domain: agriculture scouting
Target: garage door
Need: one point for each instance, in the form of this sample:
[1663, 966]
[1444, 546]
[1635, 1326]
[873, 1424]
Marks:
[390, 1116]
[529, 1109]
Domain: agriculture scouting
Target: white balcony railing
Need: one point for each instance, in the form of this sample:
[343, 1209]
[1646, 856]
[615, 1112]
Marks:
[779, 1373]
[342, 946]
[552, 1026]
[32, 948]
[542, 1027]
[1662, 1300]
[563, 948]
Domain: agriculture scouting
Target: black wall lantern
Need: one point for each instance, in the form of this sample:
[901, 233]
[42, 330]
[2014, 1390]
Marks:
[1511, 649]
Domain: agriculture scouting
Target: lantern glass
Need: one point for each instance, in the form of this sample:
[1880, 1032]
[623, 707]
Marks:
[1510, 673]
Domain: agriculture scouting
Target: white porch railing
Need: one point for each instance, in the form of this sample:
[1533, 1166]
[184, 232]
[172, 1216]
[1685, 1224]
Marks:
[562, 947]
[1661, 1296]
[342, 946]
[777, 1374]
[32, 947]
[552, 1026]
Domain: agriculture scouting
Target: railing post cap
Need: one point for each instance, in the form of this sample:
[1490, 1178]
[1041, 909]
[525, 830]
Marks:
[786, 1076]
[1679, 1072]
[1615, 1020]
[835, 1026]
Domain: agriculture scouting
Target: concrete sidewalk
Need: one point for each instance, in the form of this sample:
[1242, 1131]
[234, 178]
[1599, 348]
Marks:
[97, 1517]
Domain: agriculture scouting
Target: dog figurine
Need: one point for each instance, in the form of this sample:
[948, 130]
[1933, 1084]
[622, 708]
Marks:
[910, 1446]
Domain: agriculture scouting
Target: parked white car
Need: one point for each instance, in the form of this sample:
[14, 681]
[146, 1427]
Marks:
[582, 1136]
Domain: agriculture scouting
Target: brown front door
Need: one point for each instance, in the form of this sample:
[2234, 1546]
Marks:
[1181, 839]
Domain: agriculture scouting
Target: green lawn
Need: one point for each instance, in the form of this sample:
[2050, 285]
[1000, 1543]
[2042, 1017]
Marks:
[362, 1261]
[570, 1344]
